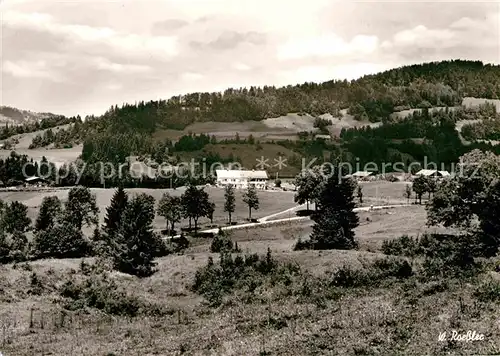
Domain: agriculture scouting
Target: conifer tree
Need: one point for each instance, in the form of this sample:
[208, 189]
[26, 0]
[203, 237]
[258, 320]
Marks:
[49, 212]
[115, 210]
[336, 220]
[135, 244]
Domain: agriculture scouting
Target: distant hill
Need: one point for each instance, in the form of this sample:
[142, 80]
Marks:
[16, 116]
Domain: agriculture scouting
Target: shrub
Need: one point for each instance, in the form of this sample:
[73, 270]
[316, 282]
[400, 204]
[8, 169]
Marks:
[98, 292]
[402, 246]
[222, 243]
[215, 281]
[62, 241]
[303, 245]
[373, 274]
[488, 291]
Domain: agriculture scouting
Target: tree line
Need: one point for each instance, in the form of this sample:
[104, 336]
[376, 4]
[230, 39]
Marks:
[126, 237]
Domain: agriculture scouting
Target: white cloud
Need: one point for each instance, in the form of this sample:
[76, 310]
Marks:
[29, 69]
[421, 36]
[90, 55]
[105, 64]
[241, 66]
[190, 76]
[326, 46]
[131, 44]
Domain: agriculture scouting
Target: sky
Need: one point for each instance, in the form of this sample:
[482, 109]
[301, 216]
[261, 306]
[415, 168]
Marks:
[80, 57]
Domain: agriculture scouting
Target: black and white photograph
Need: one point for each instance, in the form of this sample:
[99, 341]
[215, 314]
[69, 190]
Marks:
[236, 177]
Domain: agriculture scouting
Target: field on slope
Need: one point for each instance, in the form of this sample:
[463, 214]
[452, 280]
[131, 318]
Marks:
[269, 319]
[57, 156]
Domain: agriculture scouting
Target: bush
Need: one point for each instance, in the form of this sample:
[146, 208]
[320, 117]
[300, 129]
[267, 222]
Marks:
[213, 282]
[222, 243]
[373, 274]
[488, 291]
[99, 292]
[303, 245]
[62, 241]
[443, 254]
[402, 246]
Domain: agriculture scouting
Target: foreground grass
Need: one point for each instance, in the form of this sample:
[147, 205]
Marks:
[299, 314]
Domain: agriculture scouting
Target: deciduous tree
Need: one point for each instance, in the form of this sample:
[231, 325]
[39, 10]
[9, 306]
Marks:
[170, 208]
[251, 199]
[81, 208]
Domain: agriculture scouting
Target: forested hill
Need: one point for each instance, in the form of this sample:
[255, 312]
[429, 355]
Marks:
[372, 97]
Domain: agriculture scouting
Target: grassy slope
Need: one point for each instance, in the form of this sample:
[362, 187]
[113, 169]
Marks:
[358, 323]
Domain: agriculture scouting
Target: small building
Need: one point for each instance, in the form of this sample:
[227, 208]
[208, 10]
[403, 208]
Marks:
[35, 181]
[241, 179]
[323, 137]
[434, 173]
[360, 175]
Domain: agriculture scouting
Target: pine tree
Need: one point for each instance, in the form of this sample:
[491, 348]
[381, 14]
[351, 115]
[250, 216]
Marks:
[336, 220]
[229, 203]
[115, 210]
[49, 212]
[251, 199]
[135, 244]
[329, 234]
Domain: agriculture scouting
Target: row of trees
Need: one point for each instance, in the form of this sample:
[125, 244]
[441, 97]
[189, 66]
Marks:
[195, 204]
[372, 97]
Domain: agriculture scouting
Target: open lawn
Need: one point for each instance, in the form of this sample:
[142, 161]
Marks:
[270, 202]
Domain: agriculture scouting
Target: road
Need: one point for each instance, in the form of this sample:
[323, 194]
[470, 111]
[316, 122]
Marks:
[265, 220]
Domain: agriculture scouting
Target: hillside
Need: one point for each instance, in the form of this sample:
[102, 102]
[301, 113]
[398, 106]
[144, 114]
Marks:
[396, 105]
[14, 116]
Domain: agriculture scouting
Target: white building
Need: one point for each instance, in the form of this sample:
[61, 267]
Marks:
[360, 175]
[241, 179]
[433, 173]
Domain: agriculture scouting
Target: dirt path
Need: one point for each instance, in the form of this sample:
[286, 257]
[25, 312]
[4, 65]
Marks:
[264, 221]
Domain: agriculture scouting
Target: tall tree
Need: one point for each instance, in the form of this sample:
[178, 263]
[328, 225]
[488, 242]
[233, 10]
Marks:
[229, 201]
[15, 217]
[50, 211]
[407, 193]
[81, 208]
[470, 200]
[134, 247]
[309, 184]
[195, 202]
[420, 187]
[170, 208]
[360, 194]
[336, 220]
[211, 211]
[251, 199]
[115, 211]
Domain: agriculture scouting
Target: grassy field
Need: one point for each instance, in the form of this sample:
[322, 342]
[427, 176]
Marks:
[396, 319]
[270, 202]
